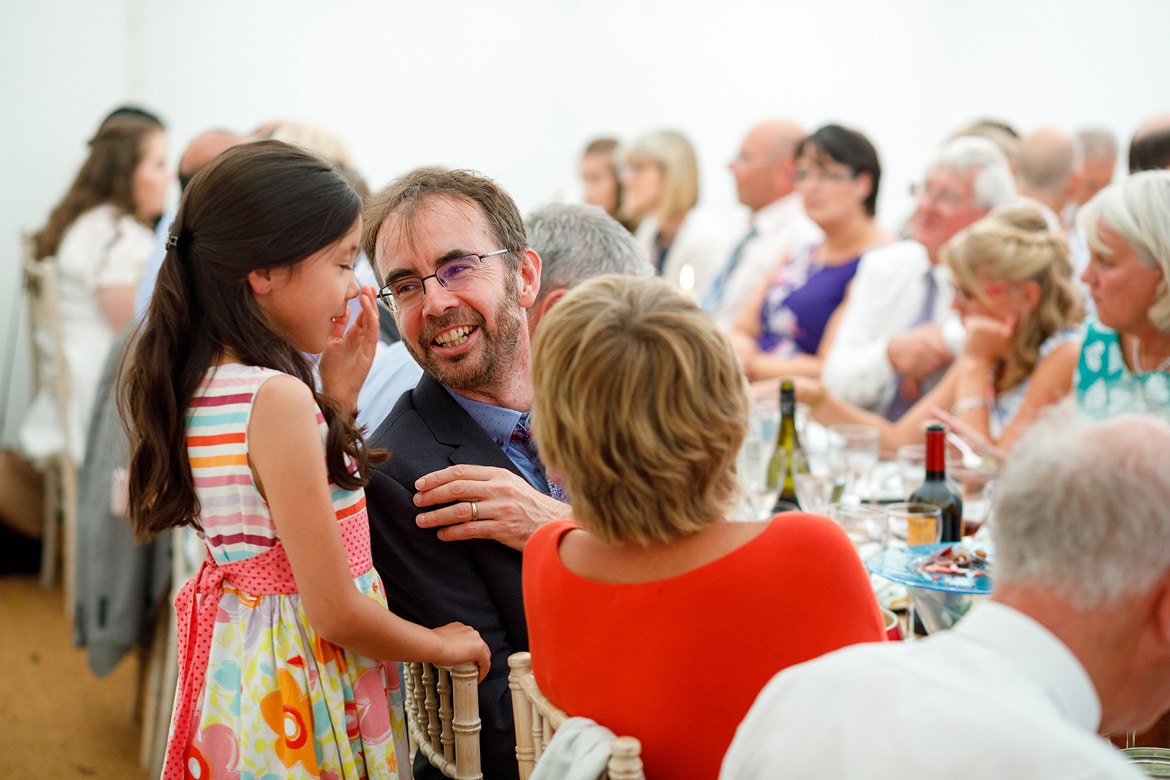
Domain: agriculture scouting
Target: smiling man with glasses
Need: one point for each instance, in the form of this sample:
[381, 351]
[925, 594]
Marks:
[464, 487]
[890, 345]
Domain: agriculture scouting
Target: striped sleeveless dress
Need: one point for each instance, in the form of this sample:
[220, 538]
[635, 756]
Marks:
[277, 700]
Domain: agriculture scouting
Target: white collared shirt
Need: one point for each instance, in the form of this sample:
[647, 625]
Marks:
[782, 228]
[996, 696]
[885, 299]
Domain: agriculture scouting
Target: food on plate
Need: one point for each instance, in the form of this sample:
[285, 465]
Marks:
[956, 560]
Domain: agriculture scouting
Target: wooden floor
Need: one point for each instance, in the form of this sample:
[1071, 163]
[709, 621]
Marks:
[59, 720]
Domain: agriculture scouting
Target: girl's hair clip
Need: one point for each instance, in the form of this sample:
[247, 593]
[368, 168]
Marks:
[172, 241]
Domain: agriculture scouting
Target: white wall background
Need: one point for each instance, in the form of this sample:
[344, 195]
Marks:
[514, 88]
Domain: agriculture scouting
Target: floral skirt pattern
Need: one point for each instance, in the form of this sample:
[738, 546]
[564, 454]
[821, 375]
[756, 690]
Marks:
[281, 702]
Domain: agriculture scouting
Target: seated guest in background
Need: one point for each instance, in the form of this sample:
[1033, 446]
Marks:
[1125, 358]
[1048, 170]
[101, 234]
[1149, 149]
[660, 189]
[1002, 134]
[888, 348]
[465, 309]
[1073, 642]
[655, 613]
[778, 226]
[1098, 161]
[599, 179]
[782, 327]
[1022, 312]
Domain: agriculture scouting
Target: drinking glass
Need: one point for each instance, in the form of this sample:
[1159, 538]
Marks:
[911, 524]
[911, 460]
[854, 449]
[976, 486]
[907, 525]
[817, 484]
[756, 498]
[864, 524]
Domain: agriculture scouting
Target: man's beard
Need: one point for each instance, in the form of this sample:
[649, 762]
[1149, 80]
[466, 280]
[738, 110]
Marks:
[484, 365]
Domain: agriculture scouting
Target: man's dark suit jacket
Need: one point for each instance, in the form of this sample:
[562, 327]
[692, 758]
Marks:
[432, 582]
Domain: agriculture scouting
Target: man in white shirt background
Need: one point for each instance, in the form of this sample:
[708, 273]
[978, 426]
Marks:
[1074, 642]
[890, 344]
[778, 225]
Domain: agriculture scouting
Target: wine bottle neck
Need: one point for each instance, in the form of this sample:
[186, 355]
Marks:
[936, 455]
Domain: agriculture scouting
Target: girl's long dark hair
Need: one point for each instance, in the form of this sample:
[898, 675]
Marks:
[261, 205]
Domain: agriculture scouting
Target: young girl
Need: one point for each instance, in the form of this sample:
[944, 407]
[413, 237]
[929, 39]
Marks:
[278, 631]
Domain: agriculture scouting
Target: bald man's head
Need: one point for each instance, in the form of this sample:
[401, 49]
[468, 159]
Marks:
[1048, 164]
[763, 168]
[203, 149]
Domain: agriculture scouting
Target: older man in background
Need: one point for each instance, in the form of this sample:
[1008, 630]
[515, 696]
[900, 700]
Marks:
[1098, 161]
[1048, 170]
[1075, 640]
[890, 345]
[777, 226]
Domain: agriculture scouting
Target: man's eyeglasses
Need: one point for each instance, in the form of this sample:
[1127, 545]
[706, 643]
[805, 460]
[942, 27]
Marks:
[454, 274]
[941, 197]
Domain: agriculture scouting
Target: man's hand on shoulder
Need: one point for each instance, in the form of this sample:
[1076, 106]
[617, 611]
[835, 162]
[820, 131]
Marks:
[489, 503]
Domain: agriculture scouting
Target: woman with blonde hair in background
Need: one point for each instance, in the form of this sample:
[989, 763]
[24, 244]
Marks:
[1015, 295]
[660, 187]
[640, 405]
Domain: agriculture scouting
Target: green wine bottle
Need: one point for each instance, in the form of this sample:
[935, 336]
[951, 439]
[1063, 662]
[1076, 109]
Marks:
[788, 456]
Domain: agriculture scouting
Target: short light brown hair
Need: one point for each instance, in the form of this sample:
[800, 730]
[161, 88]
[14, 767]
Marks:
[406, 195]
[641, 406]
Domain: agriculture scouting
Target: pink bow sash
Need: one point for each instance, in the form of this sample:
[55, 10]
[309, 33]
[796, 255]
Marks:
[268, 573]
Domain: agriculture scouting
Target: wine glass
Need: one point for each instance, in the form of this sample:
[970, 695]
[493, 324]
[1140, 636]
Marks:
[864, 524]
[756, 498]
[817, 484]
[912, 524]
[911, 460]
[854, 449]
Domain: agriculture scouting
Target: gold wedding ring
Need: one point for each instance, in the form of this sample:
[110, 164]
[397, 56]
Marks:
[474, 512]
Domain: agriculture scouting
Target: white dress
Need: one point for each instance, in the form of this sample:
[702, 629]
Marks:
[102, 248]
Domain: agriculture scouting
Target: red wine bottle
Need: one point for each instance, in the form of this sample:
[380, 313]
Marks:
[936, 489]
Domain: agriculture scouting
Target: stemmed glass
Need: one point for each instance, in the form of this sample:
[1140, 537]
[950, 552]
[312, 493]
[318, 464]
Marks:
[756, 499]
[854, 449]
[818, 485]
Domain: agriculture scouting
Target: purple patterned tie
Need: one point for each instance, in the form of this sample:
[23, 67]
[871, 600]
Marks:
[521, 435]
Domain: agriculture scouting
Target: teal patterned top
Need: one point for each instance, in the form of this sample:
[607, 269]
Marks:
[1105, 387]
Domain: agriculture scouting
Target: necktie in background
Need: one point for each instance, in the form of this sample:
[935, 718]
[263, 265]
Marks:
[908, 390]
[521, 435]
[714, 296]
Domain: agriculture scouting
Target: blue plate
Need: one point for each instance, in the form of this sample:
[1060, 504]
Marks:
[901, 566]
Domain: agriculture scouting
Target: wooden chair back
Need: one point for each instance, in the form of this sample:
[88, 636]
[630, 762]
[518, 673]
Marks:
[537, 719]
[442, 716]
[51, 375]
